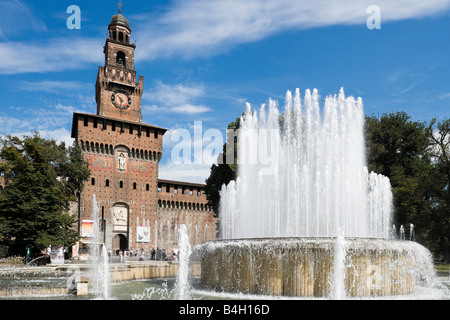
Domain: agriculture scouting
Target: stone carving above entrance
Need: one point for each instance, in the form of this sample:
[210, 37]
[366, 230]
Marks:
[120, 218]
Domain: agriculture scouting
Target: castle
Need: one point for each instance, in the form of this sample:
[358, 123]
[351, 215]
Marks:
[136, 210]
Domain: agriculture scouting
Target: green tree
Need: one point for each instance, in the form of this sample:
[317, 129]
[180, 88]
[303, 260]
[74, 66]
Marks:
[222, 172]
[439, 221]
[41, 182]
[398, 148]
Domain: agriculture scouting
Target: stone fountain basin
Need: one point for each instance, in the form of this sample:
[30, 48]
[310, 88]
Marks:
[305, 267]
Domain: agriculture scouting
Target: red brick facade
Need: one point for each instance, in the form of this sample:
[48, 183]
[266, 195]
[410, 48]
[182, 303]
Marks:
[136, 210]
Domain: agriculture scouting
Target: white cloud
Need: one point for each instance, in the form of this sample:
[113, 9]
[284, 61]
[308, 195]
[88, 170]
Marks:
[50, 122]
[196, 173]
[190, 109]
[203, 27]
[48, 56]
[177, 98]
[17, 18]
[444, 95]
[52, 86]
[191, 28]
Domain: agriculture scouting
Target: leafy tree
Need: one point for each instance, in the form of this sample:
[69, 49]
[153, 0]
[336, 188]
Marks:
[41, 181]
[398, 148]
[415, 158]
[222, 172]
[439, 221]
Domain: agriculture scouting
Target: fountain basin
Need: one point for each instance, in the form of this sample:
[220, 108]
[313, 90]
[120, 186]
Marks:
[306, 267]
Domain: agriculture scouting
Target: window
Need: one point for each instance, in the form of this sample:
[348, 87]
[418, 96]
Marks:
[113, 126]
[131, 129]
[134, 185]
[95, 122]
[121, 184]
[93, 181]
[120, 59]
[147, 187]
[107, 183]
[85, 121]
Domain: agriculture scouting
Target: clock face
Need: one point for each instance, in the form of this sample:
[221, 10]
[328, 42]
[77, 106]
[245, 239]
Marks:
[121, 99]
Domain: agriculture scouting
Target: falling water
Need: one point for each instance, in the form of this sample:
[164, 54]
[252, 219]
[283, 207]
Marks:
[303, 173]
[182, 283]
[100, 275]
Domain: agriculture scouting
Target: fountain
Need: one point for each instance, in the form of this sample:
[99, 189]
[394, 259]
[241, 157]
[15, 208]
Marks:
[99, 274]
[182, 284]
[304, 216]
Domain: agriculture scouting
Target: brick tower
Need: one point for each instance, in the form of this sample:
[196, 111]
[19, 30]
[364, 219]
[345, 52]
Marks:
[136, 210]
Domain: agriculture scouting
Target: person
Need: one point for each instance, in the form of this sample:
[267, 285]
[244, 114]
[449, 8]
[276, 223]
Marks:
[141, 257]
[152, 254]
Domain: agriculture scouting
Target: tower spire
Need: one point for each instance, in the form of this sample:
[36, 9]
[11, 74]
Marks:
[120, 6]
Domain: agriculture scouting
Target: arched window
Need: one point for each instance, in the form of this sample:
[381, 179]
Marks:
[107, 183]
[120, 60]
[134, 185]
[147, 187]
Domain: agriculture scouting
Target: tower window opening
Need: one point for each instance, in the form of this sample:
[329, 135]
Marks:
[120, 60]
[107, 183]
[121, 184]
[121, 36]
[93, 181]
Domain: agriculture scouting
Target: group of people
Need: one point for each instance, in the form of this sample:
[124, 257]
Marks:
[158, 255]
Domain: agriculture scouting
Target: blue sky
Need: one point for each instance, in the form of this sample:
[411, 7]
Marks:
[203, 60]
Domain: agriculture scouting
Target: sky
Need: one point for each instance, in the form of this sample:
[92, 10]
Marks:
[203, 60]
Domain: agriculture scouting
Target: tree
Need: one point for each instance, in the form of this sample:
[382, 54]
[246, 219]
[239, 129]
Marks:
[398, 148]
[41, 182]
[222, 172]
[439, 222]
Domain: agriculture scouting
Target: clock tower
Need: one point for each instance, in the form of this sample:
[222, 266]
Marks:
[117, 91]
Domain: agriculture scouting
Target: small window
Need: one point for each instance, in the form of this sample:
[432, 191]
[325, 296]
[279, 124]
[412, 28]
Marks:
[121, 184]
[107, 183]
[147, 187]
[86, 121]
[113, 126]
[93, 181]
[134, 185]
[120, 59]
